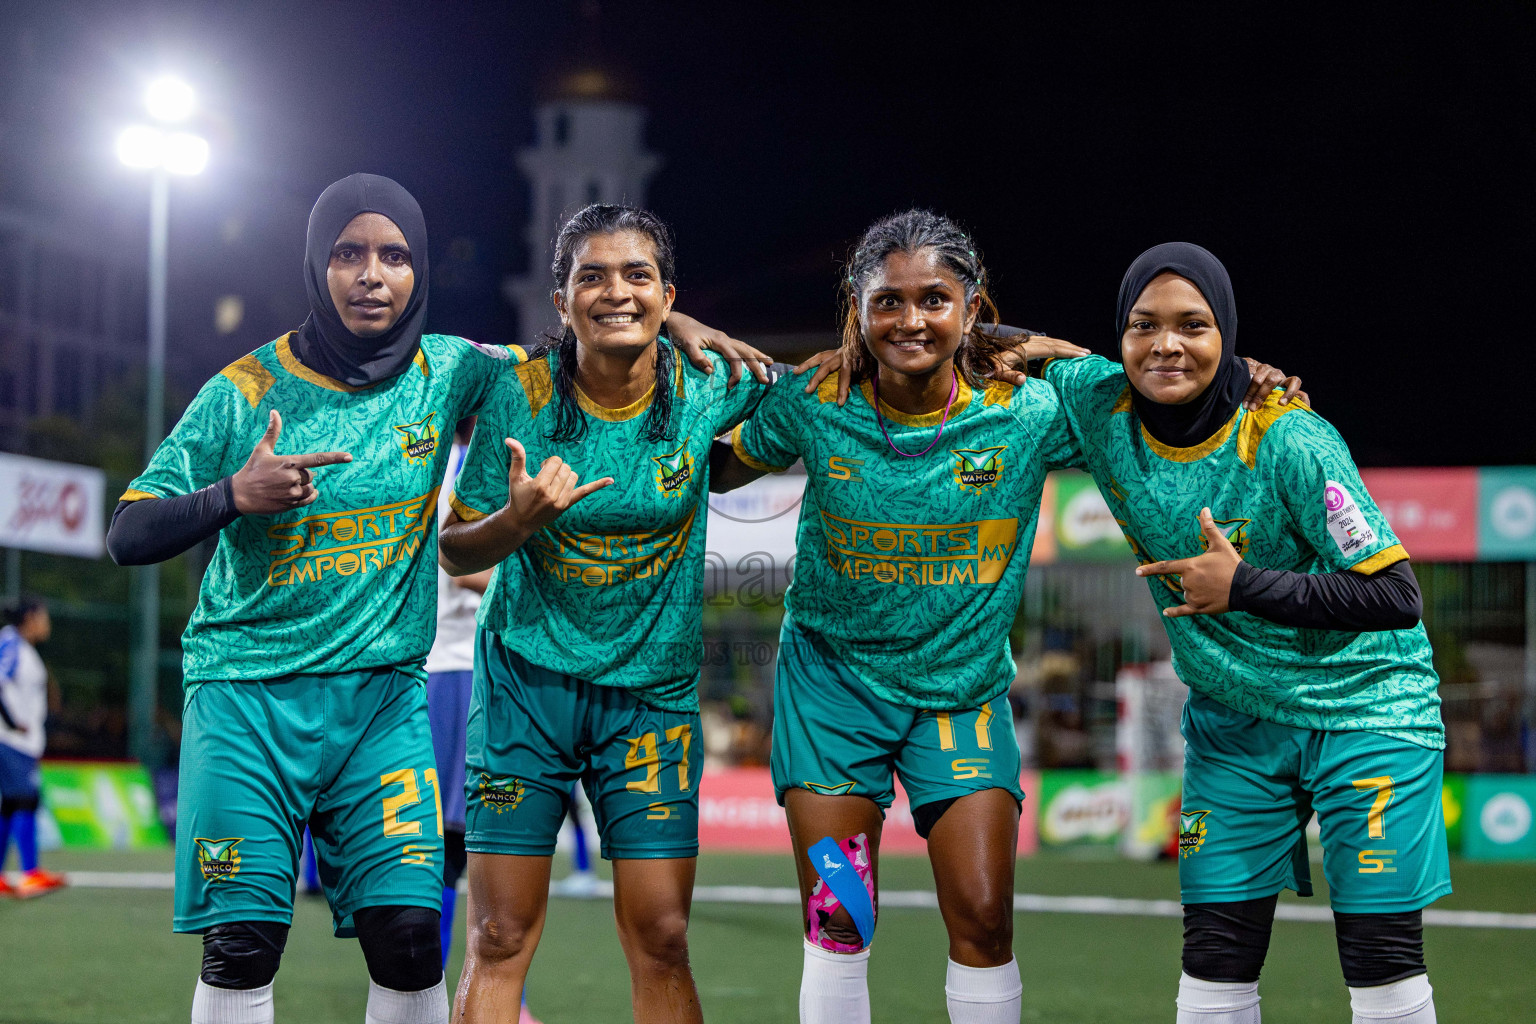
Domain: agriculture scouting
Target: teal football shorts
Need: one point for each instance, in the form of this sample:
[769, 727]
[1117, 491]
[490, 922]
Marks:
[833, 735]
[534, 732]
[1251, 787]
[348, 754]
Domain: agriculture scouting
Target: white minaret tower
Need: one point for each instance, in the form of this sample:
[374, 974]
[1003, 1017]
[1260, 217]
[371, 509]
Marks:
[589, 148]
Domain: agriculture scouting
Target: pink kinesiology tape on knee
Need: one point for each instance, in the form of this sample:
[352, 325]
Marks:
[823, 903]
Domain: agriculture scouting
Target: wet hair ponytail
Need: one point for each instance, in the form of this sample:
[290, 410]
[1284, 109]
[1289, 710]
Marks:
[912, 232]
[608, 219]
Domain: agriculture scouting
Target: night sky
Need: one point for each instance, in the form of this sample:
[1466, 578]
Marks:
[1367, 182]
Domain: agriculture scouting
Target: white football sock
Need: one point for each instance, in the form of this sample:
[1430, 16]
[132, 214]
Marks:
[834, 987]
[983, 995]
[387, 1006]
[1410, 1001]
[231, 1005]
[1217, 1002]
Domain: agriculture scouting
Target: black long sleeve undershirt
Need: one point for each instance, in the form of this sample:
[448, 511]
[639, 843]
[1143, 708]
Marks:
[1348, 600]
[154, 529]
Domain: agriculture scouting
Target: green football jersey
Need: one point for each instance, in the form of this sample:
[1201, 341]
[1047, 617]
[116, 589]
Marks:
[912, 568]
[612, 590]
[1281, 484]
[348, 582]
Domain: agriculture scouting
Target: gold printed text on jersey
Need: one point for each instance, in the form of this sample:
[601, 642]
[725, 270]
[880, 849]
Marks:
[604, 559]
[920, 554]
[349, 543]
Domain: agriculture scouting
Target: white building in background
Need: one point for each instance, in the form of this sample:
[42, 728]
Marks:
[589, 148]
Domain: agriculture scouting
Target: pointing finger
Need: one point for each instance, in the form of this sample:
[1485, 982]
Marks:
[316, 459]
[1179, 611]
[588, 488]
[1174, 568]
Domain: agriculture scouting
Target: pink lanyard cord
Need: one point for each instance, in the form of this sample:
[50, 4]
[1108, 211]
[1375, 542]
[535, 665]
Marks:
[954, 389]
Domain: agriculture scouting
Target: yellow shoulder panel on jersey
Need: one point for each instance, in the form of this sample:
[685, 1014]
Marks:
[520, 352]
[132, 495]
[1256, 424]
[677, 362]
[421, 361]
[253, 379]
[826, 391]
[1123, 403]
[999, 392]
[539, 388]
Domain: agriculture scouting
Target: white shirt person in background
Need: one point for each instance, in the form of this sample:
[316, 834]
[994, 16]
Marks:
[23, 712]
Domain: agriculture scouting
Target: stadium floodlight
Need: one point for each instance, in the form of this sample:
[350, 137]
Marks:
[140, 146]
[169, 99]
[163, 154]
[185, 153]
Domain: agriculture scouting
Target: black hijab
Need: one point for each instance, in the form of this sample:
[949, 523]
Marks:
[324, 343]
[1184, 426]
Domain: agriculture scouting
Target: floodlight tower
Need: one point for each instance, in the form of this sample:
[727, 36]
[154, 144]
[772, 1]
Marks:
[162, 151]
[589, 148]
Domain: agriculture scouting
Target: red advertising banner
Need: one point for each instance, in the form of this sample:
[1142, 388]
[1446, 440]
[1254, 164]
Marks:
[737, 811]
[1432, 511]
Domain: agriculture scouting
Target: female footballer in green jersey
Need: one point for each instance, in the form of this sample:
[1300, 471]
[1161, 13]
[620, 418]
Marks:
[919, 513]
[1294, 619]
[303, 659]
[587, 659]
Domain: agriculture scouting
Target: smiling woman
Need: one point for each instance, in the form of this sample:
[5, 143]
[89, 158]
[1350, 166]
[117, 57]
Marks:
[919, 513]
[1317, 694]
[587, 659]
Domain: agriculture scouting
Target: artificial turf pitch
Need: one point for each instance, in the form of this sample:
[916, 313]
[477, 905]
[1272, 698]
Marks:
[93, 956]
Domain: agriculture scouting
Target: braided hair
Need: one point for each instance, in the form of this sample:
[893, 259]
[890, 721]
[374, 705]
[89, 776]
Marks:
[912, 232]
[607, 219]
